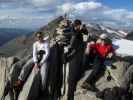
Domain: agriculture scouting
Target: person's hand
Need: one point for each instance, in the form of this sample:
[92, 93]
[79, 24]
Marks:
[110, 55]
[36, 67]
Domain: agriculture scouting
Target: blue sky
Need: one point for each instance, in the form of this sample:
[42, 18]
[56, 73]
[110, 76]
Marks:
[126, 4]
[36, 13]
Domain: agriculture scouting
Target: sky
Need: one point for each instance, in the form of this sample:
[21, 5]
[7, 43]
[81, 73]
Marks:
[33, 14]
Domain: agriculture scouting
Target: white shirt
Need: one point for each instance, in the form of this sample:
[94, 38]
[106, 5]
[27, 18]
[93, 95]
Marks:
[37, 46]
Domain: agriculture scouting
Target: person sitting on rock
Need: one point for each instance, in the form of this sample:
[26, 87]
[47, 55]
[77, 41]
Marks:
[98, 52]
[39, 61]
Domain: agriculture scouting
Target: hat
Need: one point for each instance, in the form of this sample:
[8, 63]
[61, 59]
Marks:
[103, 36]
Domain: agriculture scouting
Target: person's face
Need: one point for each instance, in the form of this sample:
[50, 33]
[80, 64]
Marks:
[78, 27]
[66, 24]
[102, 41]
[39, 37]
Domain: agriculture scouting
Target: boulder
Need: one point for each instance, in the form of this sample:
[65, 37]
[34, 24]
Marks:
[5, 66]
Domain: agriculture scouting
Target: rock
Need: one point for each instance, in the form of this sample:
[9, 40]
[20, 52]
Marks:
[30, 90]
[5, 66]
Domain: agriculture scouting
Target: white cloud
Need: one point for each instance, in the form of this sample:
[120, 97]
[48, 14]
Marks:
[66, 8]
[41, 3]
[79, 7]
[22, 18]
[88, 5]
[119, 14]
[92, 9]
[41, 9]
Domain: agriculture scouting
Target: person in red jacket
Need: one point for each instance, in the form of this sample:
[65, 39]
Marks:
[100, 50]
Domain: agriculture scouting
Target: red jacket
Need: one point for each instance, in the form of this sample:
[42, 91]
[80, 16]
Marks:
[102, 50]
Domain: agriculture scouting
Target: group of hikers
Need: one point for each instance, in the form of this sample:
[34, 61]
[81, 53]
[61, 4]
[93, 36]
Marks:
[79, 54]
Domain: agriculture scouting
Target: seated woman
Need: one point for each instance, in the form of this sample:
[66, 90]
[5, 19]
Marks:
[39, 61]
[97, 53]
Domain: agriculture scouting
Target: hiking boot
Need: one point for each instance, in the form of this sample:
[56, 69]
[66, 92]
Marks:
[109, 78]
[89, 87]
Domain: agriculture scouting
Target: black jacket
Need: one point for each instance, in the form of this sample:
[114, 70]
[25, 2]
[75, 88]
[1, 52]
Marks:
[75, 38]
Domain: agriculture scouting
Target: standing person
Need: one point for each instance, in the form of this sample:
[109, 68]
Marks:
[100, 50]
[39, 61]
[74, 57]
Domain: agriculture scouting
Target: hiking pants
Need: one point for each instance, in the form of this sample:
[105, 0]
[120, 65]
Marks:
[74, 73]
[27, 68]
[98, 71]
[44, 72]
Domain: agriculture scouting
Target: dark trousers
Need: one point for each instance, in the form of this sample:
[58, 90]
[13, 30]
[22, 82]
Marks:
[74, 73]
[87, 60]
[98, 71]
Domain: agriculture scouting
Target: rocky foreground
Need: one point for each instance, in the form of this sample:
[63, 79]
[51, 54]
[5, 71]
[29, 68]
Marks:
[31, 87]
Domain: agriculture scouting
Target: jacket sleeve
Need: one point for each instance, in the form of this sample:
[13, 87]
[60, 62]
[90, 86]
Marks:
[67, 31]
[47, 50]
[34, 53]
[112, 50]
[72, 41]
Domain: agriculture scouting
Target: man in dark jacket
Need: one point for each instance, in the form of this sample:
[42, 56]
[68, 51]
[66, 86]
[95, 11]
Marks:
[75, 57]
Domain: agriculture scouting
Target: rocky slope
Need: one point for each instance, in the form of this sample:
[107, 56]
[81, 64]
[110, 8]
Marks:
[31, 88]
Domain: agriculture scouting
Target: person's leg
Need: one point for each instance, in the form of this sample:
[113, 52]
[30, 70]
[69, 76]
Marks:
[44, 72]
[72, 83]
[85, 62]
[72, 79]
[95, 71]
[74, 73]
[96, 74]
[71, 89]
[22, 77]
[74, 76]
[26, 70]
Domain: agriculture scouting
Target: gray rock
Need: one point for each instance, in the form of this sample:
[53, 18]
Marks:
[5, 66]
[31, 88]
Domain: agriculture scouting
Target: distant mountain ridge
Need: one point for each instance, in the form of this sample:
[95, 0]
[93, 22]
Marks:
[22, 45]
[130, 36]
[7, 34]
